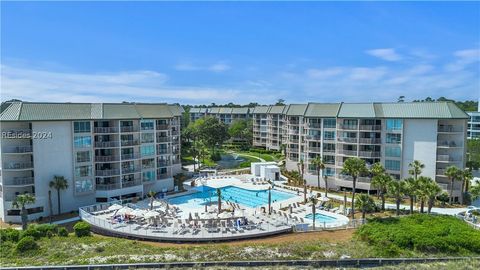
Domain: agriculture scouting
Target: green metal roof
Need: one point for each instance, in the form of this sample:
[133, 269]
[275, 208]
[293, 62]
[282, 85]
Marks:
[240, 110]
[296, 109]
[322, 110]
[261, 109]
[37, 111]
[431, 110]
[356, 110]
[279, 109]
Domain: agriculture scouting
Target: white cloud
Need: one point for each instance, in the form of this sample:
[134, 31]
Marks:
[145, 86]
[463, 58]
[387, 54]
[324, 73]
[216, 67]
[365, 73]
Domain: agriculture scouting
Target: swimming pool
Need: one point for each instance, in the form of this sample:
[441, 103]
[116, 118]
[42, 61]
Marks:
[321, 218]
[246, 197]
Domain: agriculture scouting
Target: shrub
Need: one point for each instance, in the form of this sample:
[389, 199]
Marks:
[425, 233]
[62, 231]
[26, 243]
[215, 157]
[81, 229]
[46, 229]
[9, 234]
[32, 231]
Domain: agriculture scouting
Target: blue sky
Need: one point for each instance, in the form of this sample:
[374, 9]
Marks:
[198, 53]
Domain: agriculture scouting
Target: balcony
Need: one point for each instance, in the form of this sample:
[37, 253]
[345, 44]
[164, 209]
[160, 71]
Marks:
[314, 125]
[313, 137]
[132, 183]
[314, 149]
[130, 156]
[175, 133]
[441, 172]
[108, 186]
[348, 127]
[449, 144]
[129, 129]
[130, 142]
[163, 164]
[130, 170]
[16, 166]
[20, 181]
[111, 158]
[293, 131]
[347, 140]
[347, 152]
[450, 129]
[360, 179]
[163, 139]
[370, 140]
[370, 127]
[332, 151]
[447, 158]
[27, 149]
[163, 127]
[105, 130]
[373, 154]
[110, 172]
[109, 144]
[163, 151]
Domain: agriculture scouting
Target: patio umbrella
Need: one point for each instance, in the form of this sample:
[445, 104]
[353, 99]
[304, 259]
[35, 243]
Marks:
[124, 210]
[190, 216]
[151, 214]
[224, 215]
[138, 212]
[115, 206]
[157, 203]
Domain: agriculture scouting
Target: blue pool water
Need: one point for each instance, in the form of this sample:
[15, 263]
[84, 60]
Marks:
[321, 218]
[250, 198]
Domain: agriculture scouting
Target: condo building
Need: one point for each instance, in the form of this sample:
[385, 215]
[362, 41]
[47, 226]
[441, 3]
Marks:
[473, 131]
[394, 134]
[105, 151]
[226, 115]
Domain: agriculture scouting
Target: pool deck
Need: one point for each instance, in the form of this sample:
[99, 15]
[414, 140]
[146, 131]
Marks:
[179, 228]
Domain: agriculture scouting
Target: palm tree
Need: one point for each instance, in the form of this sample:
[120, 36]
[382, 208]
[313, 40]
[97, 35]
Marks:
[20, 202]
[475, 191]
[219, 195]
[423, 190]
[377, 169]
[50, 207]
[467, 176]
[354, 167]
[58, 183]
[416, 168]
[151, 195]
[314, 202]
[381, 182]
[269, 200]
[301, 169]
[453, 173]
[410, 190]
[319, 166]
[396, 189]
[365, 203]
[432, 190]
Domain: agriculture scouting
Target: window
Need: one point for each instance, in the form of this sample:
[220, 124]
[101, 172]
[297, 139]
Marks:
[329, 123]
[329, 135]
[349, 123]
[147, 125]
[148, 176]
[83, 171]
[83, 156]
[394, 124]
[84, 185]
[82, 141]
[147, 150]
[79, 127]
[148, 137]
[393, 138]
[329, 147]
[392, 165]
[393, 151]
[329, 171]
